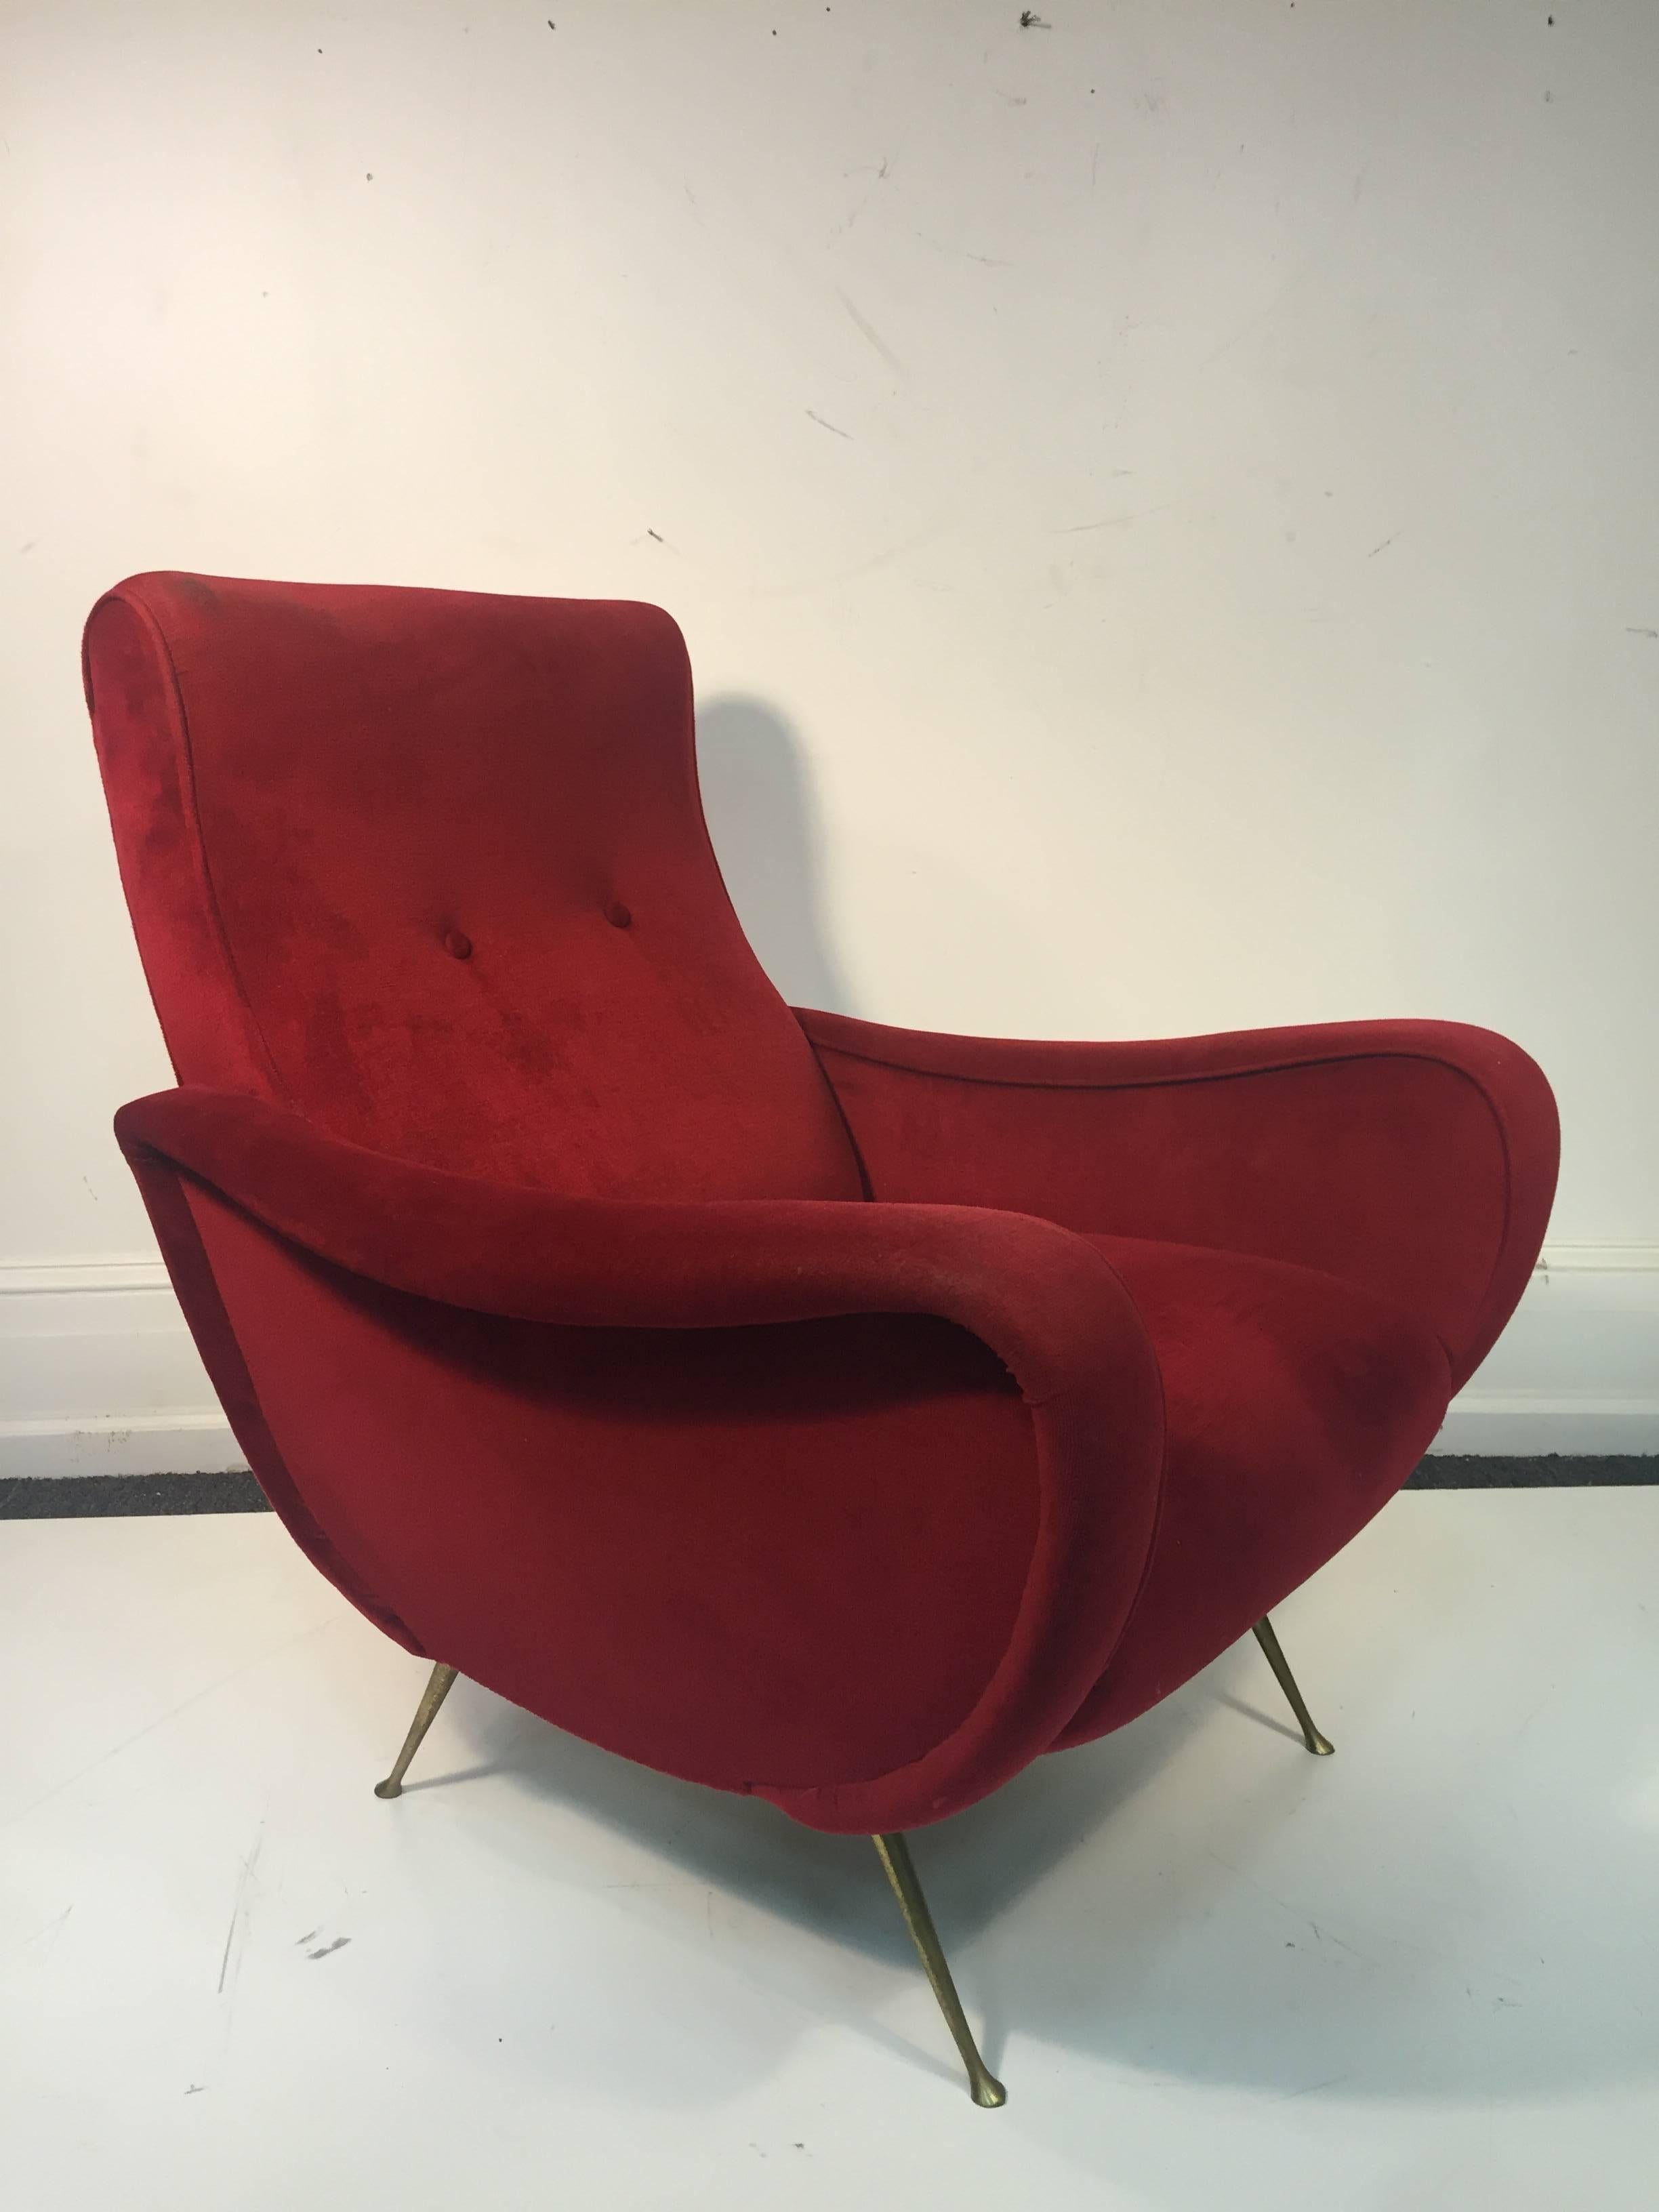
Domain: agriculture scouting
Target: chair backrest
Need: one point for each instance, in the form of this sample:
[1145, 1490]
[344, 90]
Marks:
[431, 868]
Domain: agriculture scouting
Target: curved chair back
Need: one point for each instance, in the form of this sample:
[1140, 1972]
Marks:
[430, 868]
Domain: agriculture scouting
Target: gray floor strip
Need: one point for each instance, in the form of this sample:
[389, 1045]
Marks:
[80, 1497]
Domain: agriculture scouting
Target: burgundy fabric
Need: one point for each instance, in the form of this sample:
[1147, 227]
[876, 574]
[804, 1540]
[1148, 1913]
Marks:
[168, 1205]
[847, 1420]
[681, 1593]
[1296, 1405]
[1418, 1158]
[321, 793]
[403, 1331]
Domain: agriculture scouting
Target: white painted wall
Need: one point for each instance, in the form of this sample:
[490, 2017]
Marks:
[1162, 506]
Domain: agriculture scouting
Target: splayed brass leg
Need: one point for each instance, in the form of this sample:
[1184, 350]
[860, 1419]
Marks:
[1320, 1746]
[431, 1696]
[983, 2085]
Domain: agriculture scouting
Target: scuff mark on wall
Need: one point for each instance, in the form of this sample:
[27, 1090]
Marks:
[874, 336]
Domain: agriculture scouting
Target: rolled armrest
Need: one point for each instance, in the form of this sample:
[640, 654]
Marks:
[1043, 1300]
[1040, 1298]
[1416, 1157]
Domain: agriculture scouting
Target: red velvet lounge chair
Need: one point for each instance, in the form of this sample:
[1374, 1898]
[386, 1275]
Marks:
[805, 1408]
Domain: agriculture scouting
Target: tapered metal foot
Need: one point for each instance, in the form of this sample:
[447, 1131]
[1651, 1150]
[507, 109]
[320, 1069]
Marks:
[1321, 1746]
[983, 2085]
[431, 1696]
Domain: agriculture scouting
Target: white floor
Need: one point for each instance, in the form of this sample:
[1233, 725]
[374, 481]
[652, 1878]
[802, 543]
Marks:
[1213, 1971]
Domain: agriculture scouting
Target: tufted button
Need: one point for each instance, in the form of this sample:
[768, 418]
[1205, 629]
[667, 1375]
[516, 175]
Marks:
[458, 944]
[618, 915]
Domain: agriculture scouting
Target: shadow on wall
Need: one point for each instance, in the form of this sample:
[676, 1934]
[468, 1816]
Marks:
[757, 793]
[959, 953]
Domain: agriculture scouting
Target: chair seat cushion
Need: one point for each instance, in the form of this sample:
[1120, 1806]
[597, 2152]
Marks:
[1297, 1404]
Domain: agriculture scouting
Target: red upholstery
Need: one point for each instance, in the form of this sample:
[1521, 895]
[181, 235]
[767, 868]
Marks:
[796, 1405]
[1416, 1157]
[422, 863]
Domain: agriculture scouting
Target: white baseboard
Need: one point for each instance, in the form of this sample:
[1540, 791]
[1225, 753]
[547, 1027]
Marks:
[1577, 1368]
[174, 1443]
[1526, 1425]
[98, 1375]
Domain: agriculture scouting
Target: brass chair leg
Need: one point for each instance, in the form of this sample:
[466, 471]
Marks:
[983, 2085]
[431, 1696]
[1320, 1746]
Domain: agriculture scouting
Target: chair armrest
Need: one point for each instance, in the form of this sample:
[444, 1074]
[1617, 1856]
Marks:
[1043, 1300]
[1416, 1157]
[1040, 1299]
